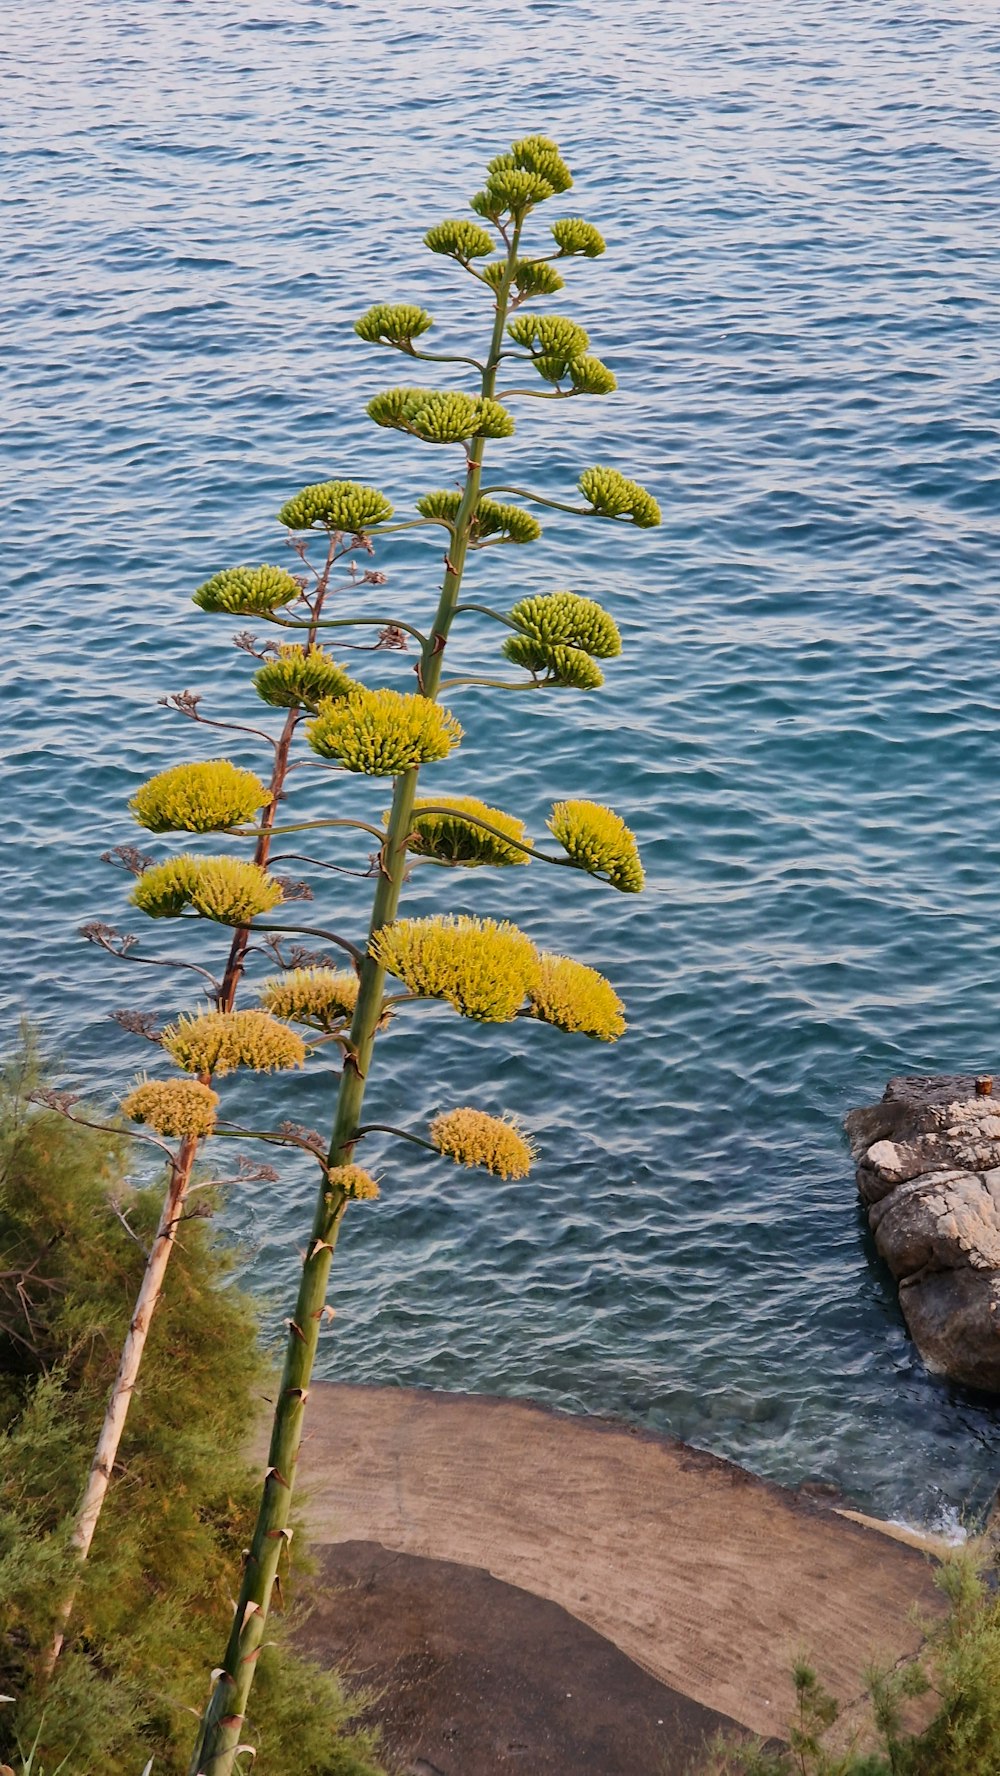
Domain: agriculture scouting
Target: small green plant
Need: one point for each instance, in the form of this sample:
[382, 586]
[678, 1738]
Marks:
[155, 1597]
[957, 1674]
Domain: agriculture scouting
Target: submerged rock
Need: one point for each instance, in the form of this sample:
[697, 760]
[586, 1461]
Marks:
[928, 1170]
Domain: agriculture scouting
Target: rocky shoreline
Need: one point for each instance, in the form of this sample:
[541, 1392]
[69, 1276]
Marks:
[928, 1171]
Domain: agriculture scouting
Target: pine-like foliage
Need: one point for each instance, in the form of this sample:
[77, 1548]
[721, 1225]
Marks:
[155, 1596]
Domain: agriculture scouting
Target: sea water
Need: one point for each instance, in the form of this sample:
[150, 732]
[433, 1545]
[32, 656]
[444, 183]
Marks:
[800, 301]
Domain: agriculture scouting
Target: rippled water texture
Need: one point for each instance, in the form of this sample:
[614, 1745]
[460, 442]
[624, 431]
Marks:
[800, 301]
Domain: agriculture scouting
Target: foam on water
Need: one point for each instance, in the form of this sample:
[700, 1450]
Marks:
[800, 302]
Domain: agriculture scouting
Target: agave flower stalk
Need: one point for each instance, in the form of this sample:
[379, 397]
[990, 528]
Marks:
[486, 970]
[174, 1112]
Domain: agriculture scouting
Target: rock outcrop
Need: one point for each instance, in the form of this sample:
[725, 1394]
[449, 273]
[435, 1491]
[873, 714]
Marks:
[928, 1169]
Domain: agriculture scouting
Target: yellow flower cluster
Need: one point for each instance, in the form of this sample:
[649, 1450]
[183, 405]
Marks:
[481, 967]
[472, 1138]
[301, 677]
[440, 416]
[614, 496]
[576, 998]
[219, 1041]
[206, 797]
[222, 888]
[454, 839]
[247, 591]
[393, 323]
[596, 839]
[354, 1181]
[344, 506]
[321, 997]
[173, 1106]
[383, 732]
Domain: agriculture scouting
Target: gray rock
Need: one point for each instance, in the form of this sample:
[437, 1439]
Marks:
[928, 1170]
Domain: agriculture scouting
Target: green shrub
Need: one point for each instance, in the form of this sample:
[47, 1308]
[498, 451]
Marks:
[958, 1670]
[155, 1598]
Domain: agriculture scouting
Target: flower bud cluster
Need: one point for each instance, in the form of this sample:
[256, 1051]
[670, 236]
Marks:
[615, 496]
[573, 235]
[205, 797]
[566, 668]
[301, 678]
[248, 591]
[460, 240]
[492, 518]
[393, 323]
[564, 619]
[596, 839]
[532, 277]
[440, 416]
[220, 1041]
[383, 732]
[344, 506]
[227, 889]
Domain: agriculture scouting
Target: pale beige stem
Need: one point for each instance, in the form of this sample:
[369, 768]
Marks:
[99, 1478]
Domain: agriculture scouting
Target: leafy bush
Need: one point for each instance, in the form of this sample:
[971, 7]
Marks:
[958, 1673]
[155, 1598]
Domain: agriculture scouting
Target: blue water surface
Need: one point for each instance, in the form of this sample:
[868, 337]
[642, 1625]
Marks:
[800, 300]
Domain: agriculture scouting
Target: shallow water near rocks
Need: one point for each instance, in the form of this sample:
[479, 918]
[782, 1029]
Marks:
[800, 303]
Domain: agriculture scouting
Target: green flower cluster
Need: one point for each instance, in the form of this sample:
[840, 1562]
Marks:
[248, 591]
[615, 496]
[551, 336]
[383, 732]
[574, 236]
[558, 348]
[460, 240]
[220, 1041]
[532, 171]
[564, 619]
[223, 888]
[505, 523]
[532, 277]
[344, 506]
[454, 838]
[301, 678]
[440, 416]
[206, 797]
[567, 668]
[596, 839]
[393, 323]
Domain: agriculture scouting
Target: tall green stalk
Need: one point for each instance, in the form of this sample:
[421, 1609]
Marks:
[489, 972]
[219, 1739]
